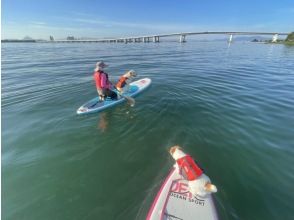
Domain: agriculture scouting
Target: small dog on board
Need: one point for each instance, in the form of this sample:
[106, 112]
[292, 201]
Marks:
[199, 183]
[123, 83]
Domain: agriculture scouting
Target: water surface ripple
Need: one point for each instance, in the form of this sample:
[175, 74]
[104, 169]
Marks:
[230, 107]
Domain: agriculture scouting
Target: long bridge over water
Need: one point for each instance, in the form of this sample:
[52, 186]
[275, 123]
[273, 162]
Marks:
[156, 38]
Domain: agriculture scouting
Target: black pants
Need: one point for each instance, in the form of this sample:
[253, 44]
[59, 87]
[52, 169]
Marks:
[111, 94]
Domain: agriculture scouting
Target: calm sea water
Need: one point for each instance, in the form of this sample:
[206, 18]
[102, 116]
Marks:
[231, 107]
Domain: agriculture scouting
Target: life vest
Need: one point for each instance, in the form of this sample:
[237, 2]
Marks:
[188, 168]
[97, 78]
[121, 82]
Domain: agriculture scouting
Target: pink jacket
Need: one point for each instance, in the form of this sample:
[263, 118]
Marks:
[104, 81]
[101, 80]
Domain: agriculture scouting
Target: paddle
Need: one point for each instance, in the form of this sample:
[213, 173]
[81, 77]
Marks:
[130, 100]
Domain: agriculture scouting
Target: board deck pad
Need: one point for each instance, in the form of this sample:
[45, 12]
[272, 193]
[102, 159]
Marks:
[175, 202]
[94, 105]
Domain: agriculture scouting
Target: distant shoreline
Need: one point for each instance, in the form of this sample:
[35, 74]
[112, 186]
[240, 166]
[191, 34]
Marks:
[289, 43]
[19, 41]
[285, 42]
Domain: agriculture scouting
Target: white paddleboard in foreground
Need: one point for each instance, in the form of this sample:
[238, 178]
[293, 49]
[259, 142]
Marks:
[94, 105]
[175, 202]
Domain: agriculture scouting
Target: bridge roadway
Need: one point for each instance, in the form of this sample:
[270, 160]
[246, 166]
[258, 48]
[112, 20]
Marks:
[155, 38]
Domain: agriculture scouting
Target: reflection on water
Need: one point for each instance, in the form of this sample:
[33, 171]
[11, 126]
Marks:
[102, 122]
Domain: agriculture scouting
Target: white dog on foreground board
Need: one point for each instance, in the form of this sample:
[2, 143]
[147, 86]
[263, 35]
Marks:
[199, 183]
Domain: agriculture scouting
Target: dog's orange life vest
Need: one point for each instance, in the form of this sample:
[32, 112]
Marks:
[122, 82]
[188, 168]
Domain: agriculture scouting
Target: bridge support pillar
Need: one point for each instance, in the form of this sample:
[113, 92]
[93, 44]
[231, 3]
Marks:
[156, 39]
[230, 39]
[275, 38]
[182, 38]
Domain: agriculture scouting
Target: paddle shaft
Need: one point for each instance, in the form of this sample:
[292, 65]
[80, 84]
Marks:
[130, 99]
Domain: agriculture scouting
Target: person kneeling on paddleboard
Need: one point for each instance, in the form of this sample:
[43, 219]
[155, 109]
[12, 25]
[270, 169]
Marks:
[102, 82]
[123, 83]
[199, 183]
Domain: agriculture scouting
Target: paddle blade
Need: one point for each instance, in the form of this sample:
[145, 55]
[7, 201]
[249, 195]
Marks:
[131, 101]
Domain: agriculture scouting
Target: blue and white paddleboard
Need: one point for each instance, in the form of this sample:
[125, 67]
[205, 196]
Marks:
[94, 105]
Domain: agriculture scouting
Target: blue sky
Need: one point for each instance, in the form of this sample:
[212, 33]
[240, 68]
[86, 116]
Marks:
[114, 18]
